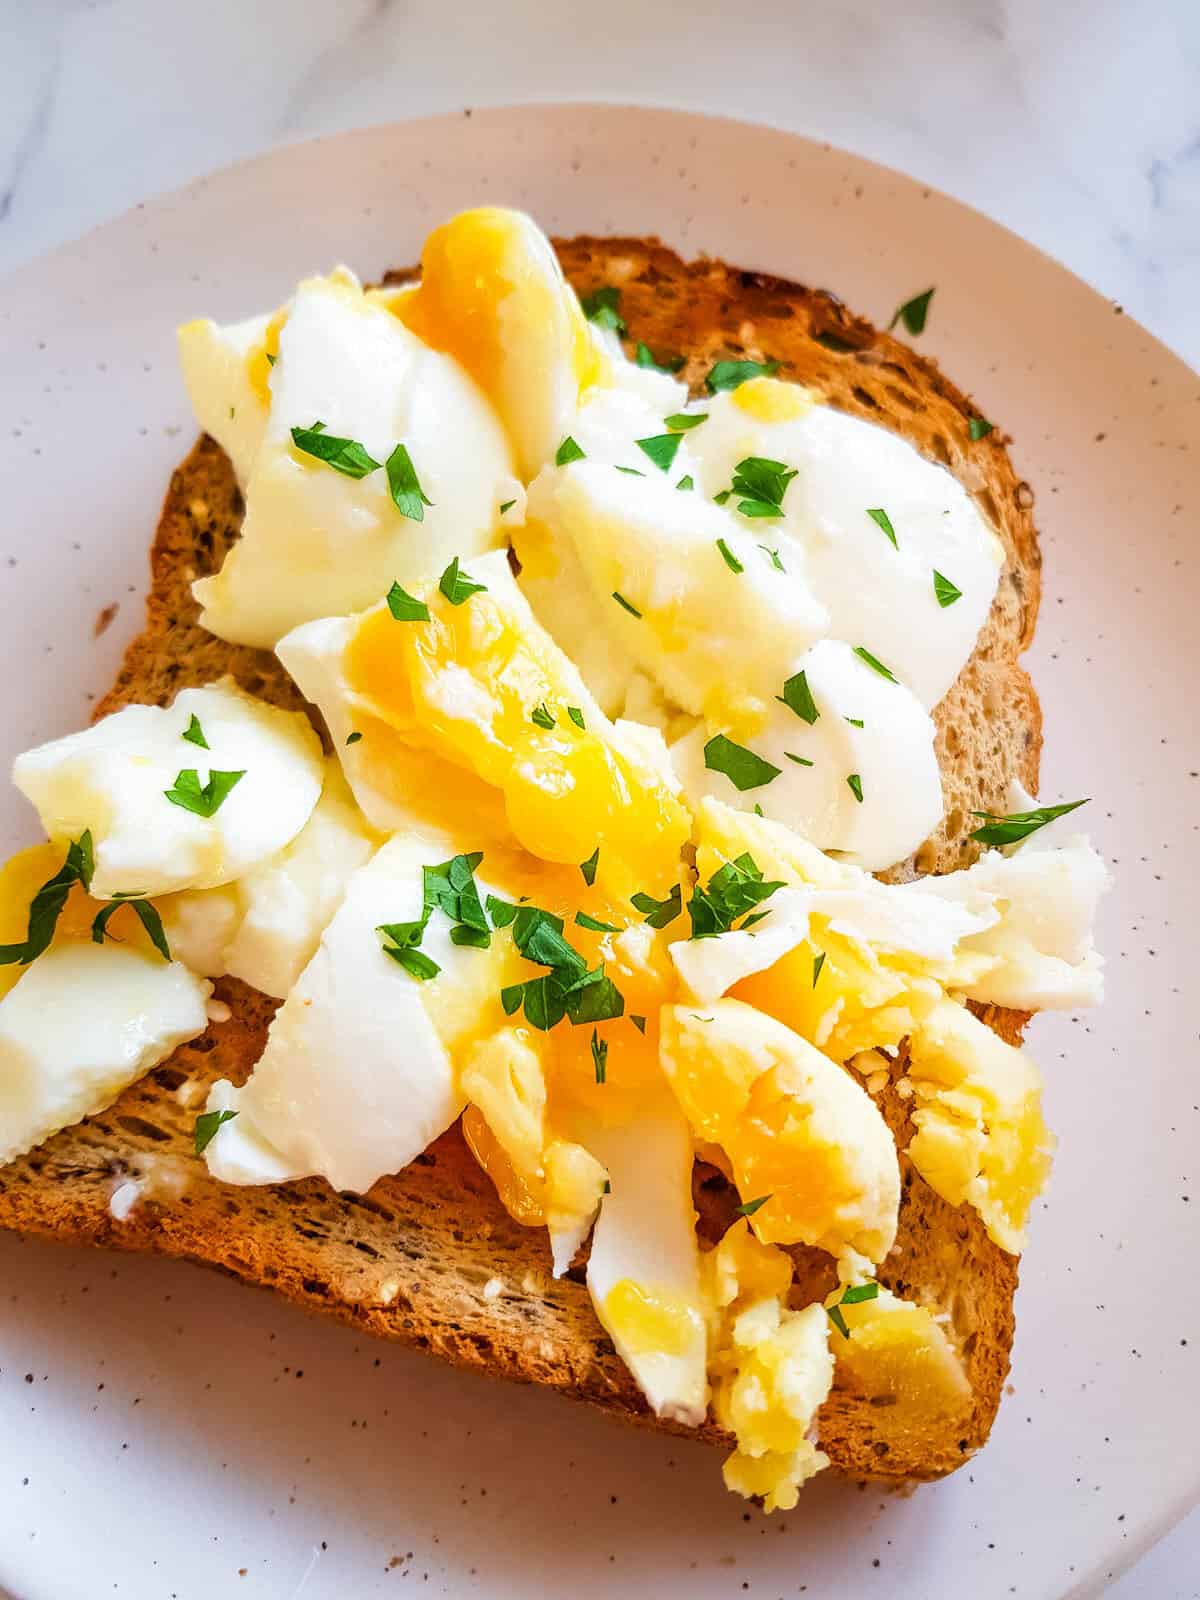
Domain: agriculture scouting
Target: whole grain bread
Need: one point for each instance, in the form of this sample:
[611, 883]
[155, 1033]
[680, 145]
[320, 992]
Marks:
[419, 1257]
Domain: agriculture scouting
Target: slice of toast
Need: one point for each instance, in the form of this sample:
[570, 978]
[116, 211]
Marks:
[420, 1257]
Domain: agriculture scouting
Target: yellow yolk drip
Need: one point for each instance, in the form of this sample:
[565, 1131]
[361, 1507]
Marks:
[466, 685]
[649, 1320]
[260, 360]
[771, 400]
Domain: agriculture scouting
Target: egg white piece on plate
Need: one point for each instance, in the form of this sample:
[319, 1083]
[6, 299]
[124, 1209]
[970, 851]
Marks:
[871, 793]
[113, 778]
[355, 1080]
[85, 1021]
[644, 1270]
[878, 593]
[705, 612]
[317, 540]
[219, 369]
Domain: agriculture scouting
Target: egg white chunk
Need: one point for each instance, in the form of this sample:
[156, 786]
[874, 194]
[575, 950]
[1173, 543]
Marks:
[355, 1080]
[645, 1235]
[84, 1022]
[877, 594]
[315, 541]
[112, 778]
[216, 370]
[892, 756]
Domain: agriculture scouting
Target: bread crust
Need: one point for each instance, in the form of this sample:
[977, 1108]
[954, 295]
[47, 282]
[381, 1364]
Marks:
[429, 1257]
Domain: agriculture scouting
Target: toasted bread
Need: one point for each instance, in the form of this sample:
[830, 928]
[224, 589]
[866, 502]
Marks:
[429, 1256]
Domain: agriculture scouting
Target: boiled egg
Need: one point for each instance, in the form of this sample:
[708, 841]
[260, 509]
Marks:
[841, 752]
[896, 1353]
[229, 399]
[800, 1134]
[893, 546]
[330, 534]
[85, 1021]
[192, 795]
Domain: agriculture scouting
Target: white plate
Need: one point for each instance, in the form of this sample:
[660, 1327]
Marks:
[158, 1436]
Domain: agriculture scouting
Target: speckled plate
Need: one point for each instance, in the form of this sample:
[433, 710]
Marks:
[169, 1434]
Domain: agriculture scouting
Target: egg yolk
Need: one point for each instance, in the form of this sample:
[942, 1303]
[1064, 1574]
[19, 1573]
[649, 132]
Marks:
[466, 685]
[650, 1320]
[771, 400]
[263, 358]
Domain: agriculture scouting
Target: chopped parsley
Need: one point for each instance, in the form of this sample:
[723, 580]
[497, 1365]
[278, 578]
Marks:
[658, 913]
[346, 456]
[146, 914]
[602, 307]
[583, 920]
[599, 1056]
[638, 1022]
[448, 887]
[353, 738]
[773, 557]
[1019, 825]
[854, 783]
[207, 1124]
[415, 962]
[855, 722]
[762, 484]
[458, 586]
[731, 374]
[797, 697]
[728, 557]
[686, 482]
[576, 716]
[204, 800]
[406, 607]
[751, 1206]
[588, 867]
[506, 505]
[818, 963]
[407, 495]
[644, 357]
[801, 761]
[568, 988]
[631, 472]
[685, 421]
[880, 517]
[742, 767]
[855, 1295]
[979, 428]
[947, 593]
[626, 606]
[567, 452]
[542, 717]
[662, 448]
[194, 733]
[875, 664]
[46, 906]
[913, 313]
[735, 890]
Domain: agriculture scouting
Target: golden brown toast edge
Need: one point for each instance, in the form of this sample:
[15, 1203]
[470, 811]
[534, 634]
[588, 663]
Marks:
[429, 1257]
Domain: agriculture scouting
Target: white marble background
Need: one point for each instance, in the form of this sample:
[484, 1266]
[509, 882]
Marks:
[1075, 122]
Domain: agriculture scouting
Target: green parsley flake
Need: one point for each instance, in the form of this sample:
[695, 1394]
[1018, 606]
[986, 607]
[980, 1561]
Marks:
[1000, 830]
[762, 483]
[415, 962]
[797, 697]
[853, 1296]
[458, 586]
[631, 472]
[588, 867]
[835, 1316]
[644, 357]
[576, 716]
[407, 495]
[638, 1022]
[880, 517]
[855, 785]
[194, 733]
[583, 920]
[742, 767]
[731, 374]
[599, 1056]
[855, 722]
[685, 421]
[626, 606]
[979, 428]
[658, 913]
[801, 761]
[506, 505]
[146, 914]
[406, 607]
[751, 1206]
[818, 963]
[541, 716]
[773, 557]
[875, 664]
[207, 1124]
[346, 456]
[728, 557]
[913, 313]
[353, 738]
[567, 452]
[202, 800]
[662, 448]
[686, 482]
[734, 890]
[947, 593]
[602, 308]
[46, 906]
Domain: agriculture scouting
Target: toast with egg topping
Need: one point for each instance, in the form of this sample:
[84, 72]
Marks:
[429, 1256]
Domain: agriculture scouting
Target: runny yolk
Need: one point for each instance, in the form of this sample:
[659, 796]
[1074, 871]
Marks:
[649, 1320]
[262, 358]
[466, 685]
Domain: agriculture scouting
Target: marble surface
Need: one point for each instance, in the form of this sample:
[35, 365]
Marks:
[1076, 124]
